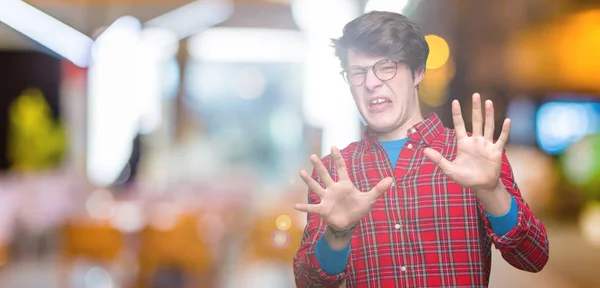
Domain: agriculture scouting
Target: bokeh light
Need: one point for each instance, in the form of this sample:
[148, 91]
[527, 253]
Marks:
[100, 204]
[433, 88]
[562, 123]
[163, 216]
[280, 239]
[581, 164]
[589, 222]
[439, 51]
[535, 173]
[283, 222]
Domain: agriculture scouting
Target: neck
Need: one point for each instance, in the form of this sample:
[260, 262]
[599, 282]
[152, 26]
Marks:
[400, 132]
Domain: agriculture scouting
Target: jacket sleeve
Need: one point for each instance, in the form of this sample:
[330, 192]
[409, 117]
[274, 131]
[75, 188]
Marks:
[526, 246]
[307, 270]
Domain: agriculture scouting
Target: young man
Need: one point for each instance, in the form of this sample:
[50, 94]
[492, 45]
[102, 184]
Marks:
[413, 204]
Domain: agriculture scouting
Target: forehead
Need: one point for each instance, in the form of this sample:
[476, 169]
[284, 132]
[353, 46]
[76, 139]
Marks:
[356, 58]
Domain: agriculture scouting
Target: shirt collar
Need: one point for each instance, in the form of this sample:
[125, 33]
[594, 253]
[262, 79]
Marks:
[426, 130]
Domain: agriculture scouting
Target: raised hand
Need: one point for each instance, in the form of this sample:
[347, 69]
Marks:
[342, 204]
[479, 160]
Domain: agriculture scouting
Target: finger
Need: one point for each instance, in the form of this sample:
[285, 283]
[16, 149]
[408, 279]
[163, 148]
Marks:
[312, 184]
[438, 159]
[308, 208]
[381, 188]
[457, 118]
[340, 165]
[321, 170]
[504, 134]
[476, 115]
[489, 121]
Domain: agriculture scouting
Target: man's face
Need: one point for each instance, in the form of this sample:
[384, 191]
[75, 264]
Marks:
[386, 105]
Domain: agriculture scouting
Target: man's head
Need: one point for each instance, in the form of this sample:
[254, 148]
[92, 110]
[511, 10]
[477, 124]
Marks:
[383, 55]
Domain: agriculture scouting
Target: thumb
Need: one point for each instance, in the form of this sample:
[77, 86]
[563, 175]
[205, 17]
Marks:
[438, 159]
[308, 208]
[381, 187]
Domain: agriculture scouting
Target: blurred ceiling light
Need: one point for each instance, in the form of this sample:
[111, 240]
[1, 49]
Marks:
[112, 115]
[439, 52]
[156, 46]
[158, 43]
[397, 6]
[324, 19]
[46, 30]
[248, 45]
[325, 104]
[124, 28]
[125, 80]
[194, 17]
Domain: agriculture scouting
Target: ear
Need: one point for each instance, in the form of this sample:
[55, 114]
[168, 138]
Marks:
[419, 75]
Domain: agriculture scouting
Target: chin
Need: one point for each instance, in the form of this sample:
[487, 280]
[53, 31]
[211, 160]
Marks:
[381, 126]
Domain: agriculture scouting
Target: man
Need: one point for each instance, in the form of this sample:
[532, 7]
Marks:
[413, 204]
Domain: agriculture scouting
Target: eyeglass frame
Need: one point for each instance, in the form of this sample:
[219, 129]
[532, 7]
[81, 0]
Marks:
[372, 68]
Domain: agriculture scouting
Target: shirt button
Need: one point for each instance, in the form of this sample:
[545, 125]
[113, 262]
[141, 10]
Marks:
[403, 268]
[409, 146]
[413, 130]
[398, 226]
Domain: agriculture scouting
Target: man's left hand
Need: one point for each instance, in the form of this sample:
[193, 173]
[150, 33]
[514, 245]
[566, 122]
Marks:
[478, 161]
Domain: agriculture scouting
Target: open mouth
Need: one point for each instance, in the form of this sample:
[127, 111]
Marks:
[378, 102]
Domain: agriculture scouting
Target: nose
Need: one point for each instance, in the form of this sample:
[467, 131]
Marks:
[371, 81]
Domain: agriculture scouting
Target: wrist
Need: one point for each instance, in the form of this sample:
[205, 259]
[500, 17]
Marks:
[338, 239]
[336, 233]
[489, 192]
[495, 201]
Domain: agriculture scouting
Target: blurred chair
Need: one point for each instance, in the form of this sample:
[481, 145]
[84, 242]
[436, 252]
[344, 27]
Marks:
[93, 240]
[176, 248]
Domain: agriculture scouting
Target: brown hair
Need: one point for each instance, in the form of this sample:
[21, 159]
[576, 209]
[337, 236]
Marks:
[386, 34]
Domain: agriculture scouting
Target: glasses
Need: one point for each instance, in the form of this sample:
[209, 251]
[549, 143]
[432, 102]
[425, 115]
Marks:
[384, 70]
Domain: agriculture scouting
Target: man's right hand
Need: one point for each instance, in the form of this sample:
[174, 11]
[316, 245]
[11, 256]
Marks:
[342, 204]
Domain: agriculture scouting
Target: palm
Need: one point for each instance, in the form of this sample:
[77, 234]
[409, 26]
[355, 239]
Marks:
[478, 161]
[342, 204]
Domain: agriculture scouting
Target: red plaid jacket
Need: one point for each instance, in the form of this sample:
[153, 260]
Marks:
[427, 231]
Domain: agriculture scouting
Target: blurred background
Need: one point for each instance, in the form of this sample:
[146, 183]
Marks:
[155, 143]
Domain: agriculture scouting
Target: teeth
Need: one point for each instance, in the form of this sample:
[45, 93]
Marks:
[377, 101]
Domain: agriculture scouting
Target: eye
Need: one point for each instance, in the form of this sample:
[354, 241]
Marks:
[355, 72]
[387, 67]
